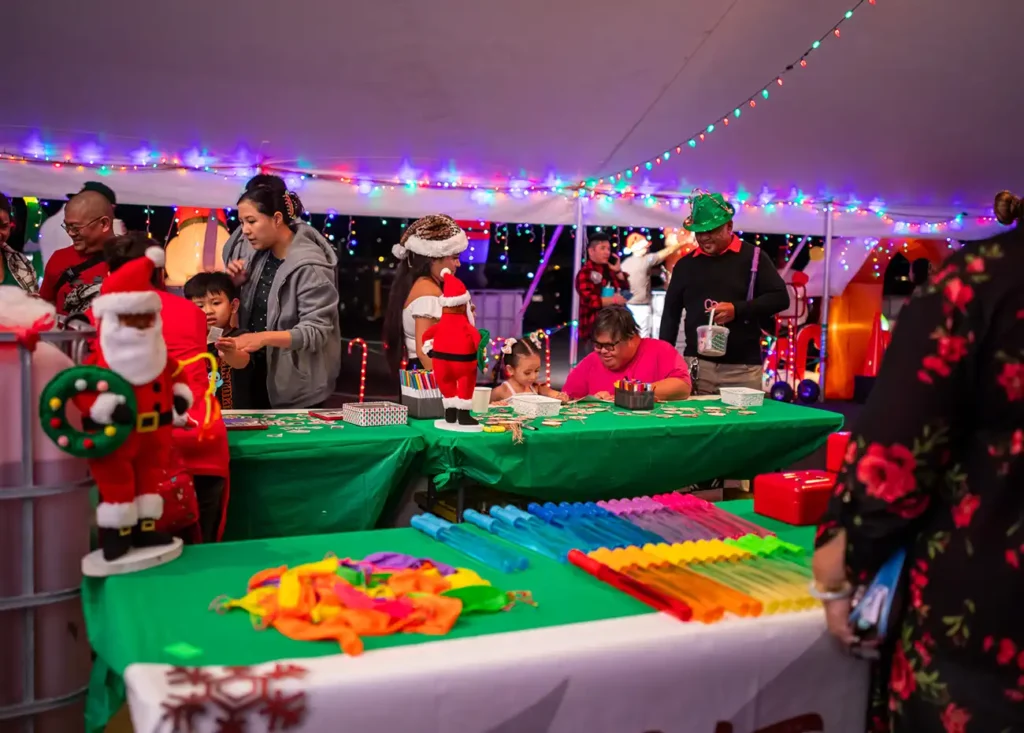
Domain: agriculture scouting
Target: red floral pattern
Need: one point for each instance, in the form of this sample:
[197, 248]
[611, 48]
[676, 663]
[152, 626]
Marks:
[887, 473]
[936, 468]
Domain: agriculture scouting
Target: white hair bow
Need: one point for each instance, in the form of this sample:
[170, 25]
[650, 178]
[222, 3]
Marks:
[506, 348]
[535, 338]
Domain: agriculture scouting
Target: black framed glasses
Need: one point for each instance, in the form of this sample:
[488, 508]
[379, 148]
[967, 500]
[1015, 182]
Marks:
[74, 229]
[605, 346]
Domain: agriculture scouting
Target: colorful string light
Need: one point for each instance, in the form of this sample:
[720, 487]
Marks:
[761, 95]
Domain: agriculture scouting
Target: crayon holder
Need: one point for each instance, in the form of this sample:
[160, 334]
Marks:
[423, 408]
[634, 400]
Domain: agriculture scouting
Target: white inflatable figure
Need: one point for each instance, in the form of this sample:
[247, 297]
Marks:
[61, 526]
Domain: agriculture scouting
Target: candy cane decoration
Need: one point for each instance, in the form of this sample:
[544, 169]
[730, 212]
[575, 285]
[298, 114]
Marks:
[542, 334]
[362, 367]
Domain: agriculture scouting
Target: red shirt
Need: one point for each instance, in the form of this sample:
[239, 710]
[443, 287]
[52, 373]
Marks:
[590, 281]
[74, 294]
[654, 360]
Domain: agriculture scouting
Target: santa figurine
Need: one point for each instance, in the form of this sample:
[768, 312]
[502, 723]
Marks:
[452, 345]
[131, 343]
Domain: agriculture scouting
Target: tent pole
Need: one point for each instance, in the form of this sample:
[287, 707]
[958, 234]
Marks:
[581, 238]
[540, 270]
[825, 300]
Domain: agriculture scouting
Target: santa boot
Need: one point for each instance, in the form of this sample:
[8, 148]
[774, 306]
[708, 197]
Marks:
[145, 534]
[466, 419]
[450, 414]
[115, 542]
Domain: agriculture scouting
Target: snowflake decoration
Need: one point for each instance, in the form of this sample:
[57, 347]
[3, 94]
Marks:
[230, 695]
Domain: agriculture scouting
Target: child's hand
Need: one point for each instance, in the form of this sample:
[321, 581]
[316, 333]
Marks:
[604, 396]
[563, 397]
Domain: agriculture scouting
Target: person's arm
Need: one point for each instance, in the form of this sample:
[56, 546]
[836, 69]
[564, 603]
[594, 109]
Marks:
[546, 391]
[577, 384]
[672, 311]
[500, 393]
[318, 313]
[675, 385]
[423, 325]
[770, 294]
[898, 460]
[655, 259]
[234, 358]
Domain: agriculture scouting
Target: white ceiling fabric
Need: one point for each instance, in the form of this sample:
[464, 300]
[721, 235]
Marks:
[914, 108]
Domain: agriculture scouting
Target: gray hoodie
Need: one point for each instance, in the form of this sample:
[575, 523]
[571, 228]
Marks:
[303, 301]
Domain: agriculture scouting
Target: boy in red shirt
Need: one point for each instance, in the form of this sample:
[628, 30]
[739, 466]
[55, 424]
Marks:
[73, 274]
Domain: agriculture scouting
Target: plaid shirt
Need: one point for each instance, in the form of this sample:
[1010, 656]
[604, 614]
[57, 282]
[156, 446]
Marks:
[590, 281]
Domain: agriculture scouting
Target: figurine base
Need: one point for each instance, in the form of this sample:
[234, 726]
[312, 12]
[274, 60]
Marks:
[456, 428]
[138, 558]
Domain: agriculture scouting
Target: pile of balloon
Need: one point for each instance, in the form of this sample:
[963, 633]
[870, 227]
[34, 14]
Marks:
[677, 553]
[385, 593]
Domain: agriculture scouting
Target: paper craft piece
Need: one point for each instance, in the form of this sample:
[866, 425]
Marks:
[243, 423]
[329, 415]
[214, 334]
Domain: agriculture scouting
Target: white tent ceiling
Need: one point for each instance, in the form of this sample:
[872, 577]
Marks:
[915, 107]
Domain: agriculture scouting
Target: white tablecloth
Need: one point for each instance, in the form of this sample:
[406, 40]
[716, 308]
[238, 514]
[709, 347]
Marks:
[632, 675]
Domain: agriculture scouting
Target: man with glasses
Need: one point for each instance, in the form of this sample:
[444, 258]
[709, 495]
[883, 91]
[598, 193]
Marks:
[734, 279]
[73, 274]
[620, 353]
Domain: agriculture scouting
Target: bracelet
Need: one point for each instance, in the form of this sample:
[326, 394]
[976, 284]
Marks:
[830, 595]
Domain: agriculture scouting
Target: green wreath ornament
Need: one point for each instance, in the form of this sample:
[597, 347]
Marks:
[53, 411]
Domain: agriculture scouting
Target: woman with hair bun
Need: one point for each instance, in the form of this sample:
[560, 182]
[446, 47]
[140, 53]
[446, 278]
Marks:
[936, 468]
[289, 303]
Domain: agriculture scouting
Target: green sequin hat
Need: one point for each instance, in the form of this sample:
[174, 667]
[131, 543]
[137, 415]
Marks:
[708, 211]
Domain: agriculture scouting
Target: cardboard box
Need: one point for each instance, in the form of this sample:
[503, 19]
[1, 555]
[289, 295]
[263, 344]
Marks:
[375, 414]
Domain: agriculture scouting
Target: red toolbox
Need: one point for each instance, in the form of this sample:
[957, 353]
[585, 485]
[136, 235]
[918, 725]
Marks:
[835, 452]
[797, 497]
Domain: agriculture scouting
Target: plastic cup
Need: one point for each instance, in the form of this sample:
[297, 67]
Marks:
[481, 399]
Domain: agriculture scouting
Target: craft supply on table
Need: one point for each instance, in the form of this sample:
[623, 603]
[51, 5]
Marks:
[420, 394]
[375, 414]
[480, 548]
[382, 594]
[728, 525]
[328, 415]
[535, 405]
[232, 422]
[797, 497]
[638, 590]
[521, 536]
[633, 395]
[742, 396]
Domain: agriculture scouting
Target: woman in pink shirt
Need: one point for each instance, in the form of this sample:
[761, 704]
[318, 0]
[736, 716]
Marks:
[620, 353]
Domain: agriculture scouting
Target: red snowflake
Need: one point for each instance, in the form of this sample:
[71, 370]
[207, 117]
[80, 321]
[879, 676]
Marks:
[230, 695]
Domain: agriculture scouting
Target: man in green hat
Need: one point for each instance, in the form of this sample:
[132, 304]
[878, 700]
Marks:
[734, 279]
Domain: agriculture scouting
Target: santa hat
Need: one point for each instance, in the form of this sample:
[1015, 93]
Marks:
[455, 292]
[129, 290]
[433, 236]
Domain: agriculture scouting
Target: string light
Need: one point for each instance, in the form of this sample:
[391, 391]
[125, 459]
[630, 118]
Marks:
[362, 366]
[707, 129]
[350, 239]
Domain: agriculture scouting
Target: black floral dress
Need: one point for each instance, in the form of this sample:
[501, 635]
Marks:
[937, 466]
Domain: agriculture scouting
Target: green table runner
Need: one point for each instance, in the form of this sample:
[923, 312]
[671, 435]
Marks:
[610, 456]
[321, 480]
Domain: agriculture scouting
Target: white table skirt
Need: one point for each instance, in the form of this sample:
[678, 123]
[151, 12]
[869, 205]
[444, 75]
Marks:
[631, 675]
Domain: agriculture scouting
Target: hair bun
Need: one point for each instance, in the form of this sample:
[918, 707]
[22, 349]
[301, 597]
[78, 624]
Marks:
[1008, 207]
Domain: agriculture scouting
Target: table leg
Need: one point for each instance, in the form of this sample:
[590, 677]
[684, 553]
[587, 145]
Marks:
[460, 501]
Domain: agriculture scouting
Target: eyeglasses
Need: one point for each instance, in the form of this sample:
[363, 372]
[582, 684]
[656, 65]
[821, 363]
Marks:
[74, 229]
[604, 346]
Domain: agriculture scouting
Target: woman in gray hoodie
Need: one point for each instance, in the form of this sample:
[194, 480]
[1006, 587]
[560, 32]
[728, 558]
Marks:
[289, 309]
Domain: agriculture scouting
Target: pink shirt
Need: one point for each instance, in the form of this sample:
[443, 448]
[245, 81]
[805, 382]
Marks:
[655, 360]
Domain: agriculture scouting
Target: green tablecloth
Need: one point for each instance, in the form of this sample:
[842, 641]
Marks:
[329, 479]
[612, 456]
[161, 616]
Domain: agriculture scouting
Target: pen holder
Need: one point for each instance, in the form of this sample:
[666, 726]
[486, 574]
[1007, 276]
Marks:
[423, 408]
[634, 400]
